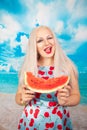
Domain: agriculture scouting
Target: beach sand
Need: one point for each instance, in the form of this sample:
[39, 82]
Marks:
[10, 113]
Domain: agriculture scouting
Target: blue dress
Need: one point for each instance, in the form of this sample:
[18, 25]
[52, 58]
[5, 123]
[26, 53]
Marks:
[44, 111]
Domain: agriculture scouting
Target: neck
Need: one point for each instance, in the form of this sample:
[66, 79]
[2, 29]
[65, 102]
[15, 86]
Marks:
[45, 61]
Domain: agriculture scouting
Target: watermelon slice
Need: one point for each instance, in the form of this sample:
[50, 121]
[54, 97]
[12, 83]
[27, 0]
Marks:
[42, 85]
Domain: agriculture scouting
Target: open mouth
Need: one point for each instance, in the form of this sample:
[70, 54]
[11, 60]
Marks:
[48, 50]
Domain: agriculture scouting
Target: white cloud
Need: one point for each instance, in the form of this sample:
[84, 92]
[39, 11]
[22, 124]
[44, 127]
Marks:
[81, 9]
[70, 5]
[59, 27]
[81, 34]
[47, 14]
[11, 28]
[79, 37]
[23, 43]
[43, 14]
[77, 10]
[6, 68]
[15, 63]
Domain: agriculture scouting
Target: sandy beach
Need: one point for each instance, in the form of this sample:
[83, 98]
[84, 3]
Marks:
[10, 113]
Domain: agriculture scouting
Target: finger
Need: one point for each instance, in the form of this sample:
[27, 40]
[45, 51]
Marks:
[26, 90]
[62, 90]
[64, 93]
[64, 99]
[29, 92]
[68, 87]
[29, 96]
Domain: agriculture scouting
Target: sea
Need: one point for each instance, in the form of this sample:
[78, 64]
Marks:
[9, 84]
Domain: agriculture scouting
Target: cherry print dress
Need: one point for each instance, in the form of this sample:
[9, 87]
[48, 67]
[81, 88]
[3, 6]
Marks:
[44, 112]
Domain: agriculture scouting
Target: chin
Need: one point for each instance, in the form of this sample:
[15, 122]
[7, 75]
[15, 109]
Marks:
[49, 56]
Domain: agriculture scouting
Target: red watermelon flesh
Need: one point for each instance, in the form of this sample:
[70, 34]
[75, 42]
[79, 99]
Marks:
[42, 85]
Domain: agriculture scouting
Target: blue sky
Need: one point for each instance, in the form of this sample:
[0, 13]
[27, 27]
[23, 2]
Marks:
[67, 18]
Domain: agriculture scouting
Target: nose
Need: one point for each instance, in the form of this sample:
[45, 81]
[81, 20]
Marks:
[46, 42]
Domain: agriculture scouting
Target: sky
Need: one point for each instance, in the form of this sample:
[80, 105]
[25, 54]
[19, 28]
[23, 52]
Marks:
[67, 18]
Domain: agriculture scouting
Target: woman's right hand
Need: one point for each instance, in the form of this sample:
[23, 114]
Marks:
[26, 94]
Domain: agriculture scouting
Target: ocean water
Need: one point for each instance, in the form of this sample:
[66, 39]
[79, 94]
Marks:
[9, 84]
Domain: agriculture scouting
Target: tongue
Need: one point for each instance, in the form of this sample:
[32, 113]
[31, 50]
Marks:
[48, 50]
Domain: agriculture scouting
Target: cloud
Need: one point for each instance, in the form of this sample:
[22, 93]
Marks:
[23, 43]
[62, 16]
[59, 27]
[10, 29]
[15, 63]
[81, 34]
[43, 14]
[70, 4]
[77, 12]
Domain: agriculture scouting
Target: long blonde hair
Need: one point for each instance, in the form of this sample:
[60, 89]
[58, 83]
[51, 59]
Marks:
[61, 61]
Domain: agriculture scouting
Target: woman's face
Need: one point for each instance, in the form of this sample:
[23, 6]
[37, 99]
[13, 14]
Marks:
[45, 43]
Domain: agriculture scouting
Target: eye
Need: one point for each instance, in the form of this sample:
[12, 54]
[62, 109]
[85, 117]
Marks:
[50, 38]
[39, 41]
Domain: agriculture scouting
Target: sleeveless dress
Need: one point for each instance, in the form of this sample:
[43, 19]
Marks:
[44, 111]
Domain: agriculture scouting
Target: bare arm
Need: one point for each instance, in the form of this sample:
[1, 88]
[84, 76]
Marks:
[23, 95]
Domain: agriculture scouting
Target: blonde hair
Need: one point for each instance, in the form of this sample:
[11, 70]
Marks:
[61, 61]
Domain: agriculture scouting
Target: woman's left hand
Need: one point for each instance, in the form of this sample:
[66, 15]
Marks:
[63, 94]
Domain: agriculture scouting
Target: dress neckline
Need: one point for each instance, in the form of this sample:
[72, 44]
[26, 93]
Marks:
[47, 66]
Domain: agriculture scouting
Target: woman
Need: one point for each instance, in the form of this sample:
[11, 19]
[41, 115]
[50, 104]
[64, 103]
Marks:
[45, 58]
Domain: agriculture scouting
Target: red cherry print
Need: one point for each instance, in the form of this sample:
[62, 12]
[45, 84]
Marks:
[24, 123]
[41, 72]
[59, 127]
[31, 122]
[56, 94]
[19, 126]
[50, 72]
[64, 111]
[47, 125]
[51, 68]
[35, 129]
[59, 114]
[37, 95]
[54, 110]
[51, 104]
[65, 122]
[31, 111]
[27, 128]
[35, 101]
[30, 104]
[21, 120]
[68, 115]
[46, 114]
[26, 113]
[36, 113]
[49, 95]
[46, 77]
[51, 124]
[67, 128]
